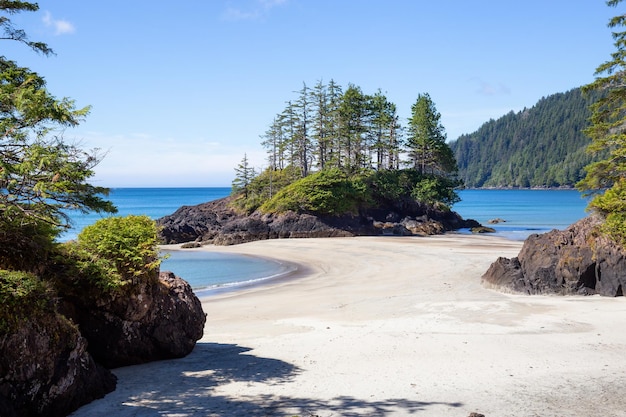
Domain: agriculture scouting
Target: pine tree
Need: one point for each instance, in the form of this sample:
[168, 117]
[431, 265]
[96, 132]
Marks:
[426, 140]
[244, 174]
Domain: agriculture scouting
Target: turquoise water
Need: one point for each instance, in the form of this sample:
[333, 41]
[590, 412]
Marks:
[525, 212]
[152, 202]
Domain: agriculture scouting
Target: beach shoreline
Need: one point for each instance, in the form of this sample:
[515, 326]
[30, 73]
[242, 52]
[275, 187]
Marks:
[387, 326]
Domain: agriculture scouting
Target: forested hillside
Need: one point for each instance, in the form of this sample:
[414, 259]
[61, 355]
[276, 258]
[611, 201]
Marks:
[543, 146]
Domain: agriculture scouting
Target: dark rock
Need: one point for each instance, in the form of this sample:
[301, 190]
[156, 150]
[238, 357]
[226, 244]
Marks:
[496, 221]
[482, 229]
[576, 260]
[217, 223]
[153, 320]
[46, 370]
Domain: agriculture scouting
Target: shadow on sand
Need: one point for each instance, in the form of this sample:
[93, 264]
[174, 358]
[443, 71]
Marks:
[186, 387]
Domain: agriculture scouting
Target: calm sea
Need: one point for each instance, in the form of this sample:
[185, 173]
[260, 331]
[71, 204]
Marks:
[524, 212]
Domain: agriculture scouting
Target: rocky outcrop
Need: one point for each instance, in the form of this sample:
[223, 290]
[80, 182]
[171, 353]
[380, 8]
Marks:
[576, 260]
[148, 321]
[46, 370]
[217, 223]
[54, 360]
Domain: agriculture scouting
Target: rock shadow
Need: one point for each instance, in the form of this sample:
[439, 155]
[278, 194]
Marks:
[187, 387]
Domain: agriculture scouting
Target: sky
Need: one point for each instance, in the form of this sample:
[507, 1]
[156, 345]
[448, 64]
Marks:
[181, 91]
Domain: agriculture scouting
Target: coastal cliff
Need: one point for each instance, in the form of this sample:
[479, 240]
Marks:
[577, 260]
[218, 223]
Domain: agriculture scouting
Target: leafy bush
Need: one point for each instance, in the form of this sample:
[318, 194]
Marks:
[123, 248]
[328, 192]
[612, 204]
[22, 296]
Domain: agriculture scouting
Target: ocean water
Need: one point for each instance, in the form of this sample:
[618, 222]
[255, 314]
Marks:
[524, 211]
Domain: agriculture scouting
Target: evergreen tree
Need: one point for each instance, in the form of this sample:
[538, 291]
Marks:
[41, 174]
[608, 133]
[426, 139]
[244, 174]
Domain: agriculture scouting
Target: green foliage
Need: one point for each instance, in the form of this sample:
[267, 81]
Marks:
[410, 184]
[333, 192]
[22, 296]
[328, 192]
[427, 145]
[25, 246]
[543, 146]
[608, 138]
[244, 175]
[612, 205]
[264, 186]
[12, 33]
[393, 185]
[41, 175]
[435, 191]
[123, 248]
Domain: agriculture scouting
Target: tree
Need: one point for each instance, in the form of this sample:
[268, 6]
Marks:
[353, 114]
[41, 174]
[427, 139]
[608, 133]
[385, 132]
[19, 35]
[244, 176]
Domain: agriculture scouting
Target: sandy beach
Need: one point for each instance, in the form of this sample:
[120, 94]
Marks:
[387, 326]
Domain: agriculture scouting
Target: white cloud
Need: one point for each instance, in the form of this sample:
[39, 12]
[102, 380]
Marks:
[61, 27]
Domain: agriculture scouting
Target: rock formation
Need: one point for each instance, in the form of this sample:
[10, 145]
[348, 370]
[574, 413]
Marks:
[46, 369]
[145, 322]
[576, 260]
[51, 364]
[217, 223]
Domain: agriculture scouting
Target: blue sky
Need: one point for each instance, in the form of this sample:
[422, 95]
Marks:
[180, 91]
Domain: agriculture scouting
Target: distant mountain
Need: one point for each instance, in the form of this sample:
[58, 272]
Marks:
[538, 147]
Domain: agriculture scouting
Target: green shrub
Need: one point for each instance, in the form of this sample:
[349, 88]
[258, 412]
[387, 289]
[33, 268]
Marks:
[328, 192]
[612, 204]
[397, 185]
[436, 191]
[24, 246]
[22, 297]
[124, 247]
[264, 186]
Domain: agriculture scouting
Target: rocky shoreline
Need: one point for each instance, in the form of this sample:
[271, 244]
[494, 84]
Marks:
[577, 260]
[217, 223]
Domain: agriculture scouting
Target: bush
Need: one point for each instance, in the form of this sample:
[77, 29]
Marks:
[436, 191]
[328, 192]
[22, 296]
[124, 248]
[25, 246]
[612, 204]
[409, 184]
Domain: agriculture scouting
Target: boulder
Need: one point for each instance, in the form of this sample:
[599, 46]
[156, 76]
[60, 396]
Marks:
[577, 260]
[151, 320]
[46, 369]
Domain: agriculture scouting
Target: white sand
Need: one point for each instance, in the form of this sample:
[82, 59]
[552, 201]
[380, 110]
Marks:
[388, 327]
